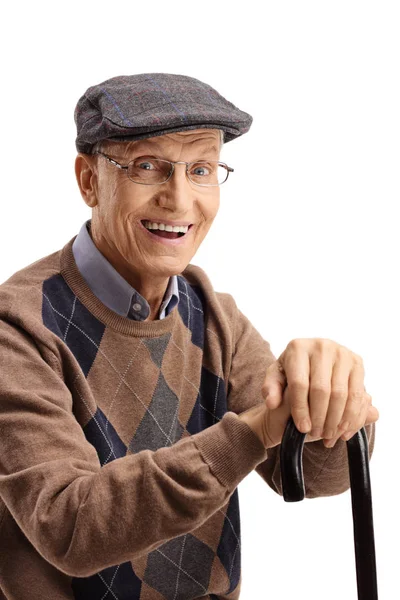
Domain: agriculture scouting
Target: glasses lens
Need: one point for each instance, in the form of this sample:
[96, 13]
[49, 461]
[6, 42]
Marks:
[208, 172]
[148, 170]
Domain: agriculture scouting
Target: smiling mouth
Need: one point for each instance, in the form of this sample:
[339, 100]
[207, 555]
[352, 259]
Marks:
[172, 235]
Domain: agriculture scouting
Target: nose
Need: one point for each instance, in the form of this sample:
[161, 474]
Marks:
[177, 192]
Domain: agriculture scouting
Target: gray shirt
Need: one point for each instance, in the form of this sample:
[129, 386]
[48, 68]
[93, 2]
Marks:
[110, 287]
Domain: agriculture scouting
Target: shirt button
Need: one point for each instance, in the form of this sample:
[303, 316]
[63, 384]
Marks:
[136, 306]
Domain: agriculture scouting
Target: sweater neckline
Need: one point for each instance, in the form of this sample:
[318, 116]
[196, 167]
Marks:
[81, 289]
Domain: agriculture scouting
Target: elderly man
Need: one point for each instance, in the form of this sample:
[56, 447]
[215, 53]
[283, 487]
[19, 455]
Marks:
[135, 398]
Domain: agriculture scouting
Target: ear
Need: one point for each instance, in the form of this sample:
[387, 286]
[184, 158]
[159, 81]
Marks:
[86, 178]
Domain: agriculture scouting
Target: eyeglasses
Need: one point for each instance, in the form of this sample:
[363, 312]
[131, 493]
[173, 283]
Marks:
[153, 171]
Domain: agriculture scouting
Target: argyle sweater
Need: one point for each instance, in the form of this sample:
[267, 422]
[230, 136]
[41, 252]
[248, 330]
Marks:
[121, 450]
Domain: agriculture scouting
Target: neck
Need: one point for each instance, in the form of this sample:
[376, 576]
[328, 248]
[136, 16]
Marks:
[153, 290]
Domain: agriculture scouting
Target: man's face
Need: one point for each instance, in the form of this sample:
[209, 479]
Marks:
[120, 206]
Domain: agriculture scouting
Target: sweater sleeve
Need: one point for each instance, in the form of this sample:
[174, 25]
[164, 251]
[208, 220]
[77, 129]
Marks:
[83, 517]
[325, 470]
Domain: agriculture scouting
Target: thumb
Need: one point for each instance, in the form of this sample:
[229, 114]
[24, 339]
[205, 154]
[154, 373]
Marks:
[274, 384]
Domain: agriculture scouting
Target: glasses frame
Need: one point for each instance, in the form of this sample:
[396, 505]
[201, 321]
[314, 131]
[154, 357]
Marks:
[179, 162]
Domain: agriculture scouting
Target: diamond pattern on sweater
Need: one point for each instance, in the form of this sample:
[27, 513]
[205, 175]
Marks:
[102, 435]
[160, 426]
[116, 582]
[157, 347]
[229, 550]
[180, 569]
[191, 305]
[210, 405]
[71, 321]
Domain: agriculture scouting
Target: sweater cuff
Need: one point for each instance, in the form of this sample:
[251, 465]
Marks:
[231, 449]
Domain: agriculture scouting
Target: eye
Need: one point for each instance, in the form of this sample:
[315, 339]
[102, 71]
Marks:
[201, 170]
[146, 165]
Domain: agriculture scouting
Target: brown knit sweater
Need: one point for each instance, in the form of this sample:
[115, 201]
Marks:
[120, 446]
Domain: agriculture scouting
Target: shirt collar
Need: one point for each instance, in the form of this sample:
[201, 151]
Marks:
[110, 287]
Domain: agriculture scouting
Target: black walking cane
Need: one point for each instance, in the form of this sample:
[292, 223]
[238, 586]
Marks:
[291, 453]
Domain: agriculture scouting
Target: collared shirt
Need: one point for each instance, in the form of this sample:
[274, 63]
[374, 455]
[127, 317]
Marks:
[110, 287]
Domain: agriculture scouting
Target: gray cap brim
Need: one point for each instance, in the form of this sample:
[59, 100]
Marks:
[134, 107]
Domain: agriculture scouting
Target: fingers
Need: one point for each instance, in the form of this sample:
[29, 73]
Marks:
[368, 414]
[325, 387]
[347, 396]
[358, 400]
[328, 391]
[297, 368]
[274, 384]
[372, 414]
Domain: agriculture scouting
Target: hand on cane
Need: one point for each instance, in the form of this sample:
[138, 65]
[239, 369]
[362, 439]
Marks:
[316, 380]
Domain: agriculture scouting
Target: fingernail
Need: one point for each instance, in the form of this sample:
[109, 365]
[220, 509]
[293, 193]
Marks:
[330, 443]
[305, 426]
[348, 435]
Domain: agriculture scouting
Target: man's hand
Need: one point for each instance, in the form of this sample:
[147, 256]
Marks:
[316, 380]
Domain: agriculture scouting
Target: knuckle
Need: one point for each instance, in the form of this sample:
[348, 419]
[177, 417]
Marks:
[352, 421]
[343, 353]
[339, 392]
[298, 385]
[320, 387]
[357, 397]
[318, 423]
[321, 344]
[294, 344]
[356, 419]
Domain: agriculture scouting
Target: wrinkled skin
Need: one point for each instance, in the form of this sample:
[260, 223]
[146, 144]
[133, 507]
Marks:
[118, 205]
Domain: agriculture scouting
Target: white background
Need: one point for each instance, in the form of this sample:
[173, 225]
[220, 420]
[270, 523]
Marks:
[306, 239]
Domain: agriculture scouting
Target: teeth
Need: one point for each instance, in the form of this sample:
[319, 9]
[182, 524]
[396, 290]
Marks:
[162, 227]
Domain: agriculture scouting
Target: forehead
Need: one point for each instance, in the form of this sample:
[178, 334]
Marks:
[204, 139]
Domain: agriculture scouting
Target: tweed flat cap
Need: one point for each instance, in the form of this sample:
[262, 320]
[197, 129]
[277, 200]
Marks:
[133, 107]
